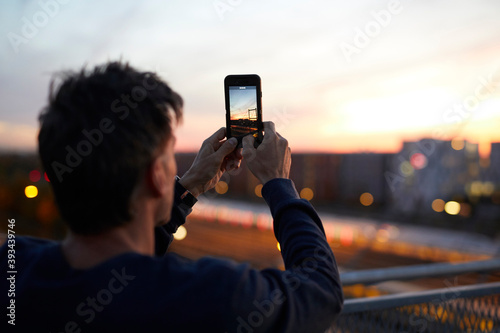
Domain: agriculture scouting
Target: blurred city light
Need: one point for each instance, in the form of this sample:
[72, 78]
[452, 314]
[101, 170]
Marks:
[346, 236]
[438, 205]
[393, 231]
[307, 193]
[35, 176]
[478, 188]
[46, 177]
[221, 187]
[452, 207]
[366, 199]
[224, 214]
[418, 161]
[471, 148]
[457, 144]
[382, 235]
[264, 221]
[181, 233]
[406, 168]
[278, 246]
[246, 218]
[31, 191]
[258, 190]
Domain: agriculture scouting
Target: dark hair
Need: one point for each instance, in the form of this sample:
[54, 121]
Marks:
[98, 134]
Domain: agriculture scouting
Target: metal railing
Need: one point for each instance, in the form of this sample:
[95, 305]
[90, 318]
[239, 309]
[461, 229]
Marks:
[473, 308]
[418, 271]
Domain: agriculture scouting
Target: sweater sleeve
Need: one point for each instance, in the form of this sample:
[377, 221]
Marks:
[307, 296]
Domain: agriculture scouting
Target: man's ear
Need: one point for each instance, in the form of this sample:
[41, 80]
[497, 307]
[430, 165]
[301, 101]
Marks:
[157, 180]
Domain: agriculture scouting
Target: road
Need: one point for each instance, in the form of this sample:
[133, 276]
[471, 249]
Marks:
[259, 248]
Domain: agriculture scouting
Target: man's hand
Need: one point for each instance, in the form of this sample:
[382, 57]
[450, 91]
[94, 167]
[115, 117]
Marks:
[216, 156]
[272, 159]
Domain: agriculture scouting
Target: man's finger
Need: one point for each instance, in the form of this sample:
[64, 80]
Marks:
[227, 148]
[269, 126]
[248, 142]
[248, 145]
[270, 131]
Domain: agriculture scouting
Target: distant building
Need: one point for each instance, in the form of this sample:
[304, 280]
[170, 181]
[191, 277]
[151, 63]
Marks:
[319, 173]
[363, 173]
[492, 172]
[431, 169]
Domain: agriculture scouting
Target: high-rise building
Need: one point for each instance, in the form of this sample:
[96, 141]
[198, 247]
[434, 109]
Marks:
[431, 169]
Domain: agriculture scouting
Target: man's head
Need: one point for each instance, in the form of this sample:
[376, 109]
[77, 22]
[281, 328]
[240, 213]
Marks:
[100, 133]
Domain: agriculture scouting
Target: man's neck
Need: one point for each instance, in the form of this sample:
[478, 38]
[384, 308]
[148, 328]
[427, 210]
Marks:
[85, 251]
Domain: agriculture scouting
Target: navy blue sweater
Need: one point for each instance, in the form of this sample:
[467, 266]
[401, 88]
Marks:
[168, 293]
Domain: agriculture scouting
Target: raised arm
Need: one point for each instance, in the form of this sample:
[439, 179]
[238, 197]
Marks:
[307, 296]
[216, 156]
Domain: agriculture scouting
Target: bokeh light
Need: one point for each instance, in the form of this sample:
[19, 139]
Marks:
[438, 205]
[452, 207]
[418, 161]
[221, 187]
[457, 144]
[258, 190]
[278, 246]
[382, 235]
[406, 168]
[35, 176]
[46, 177]
[346, 236]
[31, 191]
[307, 193]
[181, 233]
[478, 188]
[366, 199]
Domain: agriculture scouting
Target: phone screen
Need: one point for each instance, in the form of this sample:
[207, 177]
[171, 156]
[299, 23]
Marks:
[243, 110]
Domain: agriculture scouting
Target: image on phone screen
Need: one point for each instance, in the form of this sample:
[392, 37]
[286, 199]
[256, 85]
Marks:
[243, 110]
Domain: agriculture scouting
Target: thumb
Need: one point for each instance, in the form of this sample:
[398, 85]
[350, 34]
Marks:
[227, 147]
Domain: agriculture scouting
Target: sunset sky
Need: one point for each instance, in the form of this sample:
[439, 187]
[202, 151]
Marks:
[337, 76]
[240, 100]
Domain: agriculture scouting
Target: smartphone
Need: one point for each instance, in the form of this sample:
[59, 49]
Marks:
[243, 99]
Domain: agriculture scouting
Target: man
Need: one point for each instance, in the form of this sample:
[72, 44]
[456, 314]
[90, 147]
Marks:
[107, 142]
